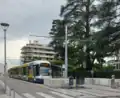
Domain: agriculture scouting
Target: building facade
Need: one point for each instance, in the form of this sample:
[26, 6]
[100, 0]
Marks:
[34, 50]
[115, 60]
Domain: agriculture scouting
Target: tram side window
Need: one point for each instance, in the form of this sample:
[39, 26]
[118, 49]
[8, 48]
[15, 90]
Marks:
[24, 71]
[29, 68]
[37, 70]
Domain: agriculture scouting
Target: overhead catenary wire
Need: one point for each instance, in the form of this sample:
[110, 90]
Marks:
[63, 38]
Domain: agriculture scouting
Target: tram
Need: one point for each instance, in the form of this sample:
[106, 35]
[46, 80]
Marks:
[35, 71]
[39, 70]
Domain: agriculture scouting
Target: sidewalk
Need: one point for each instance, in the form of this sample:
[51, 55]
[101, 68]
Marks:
[100, 87]
[2, 95]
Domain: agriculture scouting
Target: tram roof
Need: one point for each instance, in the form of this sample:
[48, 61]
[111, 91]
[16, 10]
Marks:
[15, 67]
[24, 65]
[39, 61]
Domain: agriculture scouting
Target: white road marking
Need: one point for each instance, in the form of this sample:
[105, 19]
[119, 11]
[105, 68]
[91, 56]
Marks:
[28, 95]
[44, 95]
[18, 96]
[69, 92]
[62, 95]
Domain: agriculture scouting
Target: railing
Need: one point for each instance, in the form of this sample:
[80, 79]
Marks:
[14, 94]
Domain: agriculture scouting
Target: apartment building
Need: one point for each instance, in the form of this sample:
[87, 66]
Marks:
[114, 60]
[36, 50]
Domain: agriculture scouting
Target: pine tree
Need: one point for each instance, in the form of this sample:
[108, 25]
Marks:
[91, 23]
[81, 13]
[109, 27]
[57, 34]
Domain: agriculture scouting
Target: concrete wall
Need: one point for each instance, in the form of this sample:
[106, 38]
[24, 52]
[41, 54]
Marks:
[100, 81]
[62, 82]
[55, 82]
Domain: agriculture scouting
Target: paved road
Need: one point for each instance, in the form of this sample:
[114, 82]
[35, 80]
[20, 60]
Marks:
[31, 90]
[1, 90]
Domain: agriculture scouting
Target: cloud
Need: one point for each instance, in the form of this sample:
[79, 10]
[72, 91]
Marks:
[29, 16]
[13, 48]
[13, 51]
[25, 16]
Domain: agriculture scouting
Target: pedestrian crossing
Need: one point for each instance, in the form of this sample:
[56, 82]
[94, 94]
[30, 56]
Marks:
[50, 94]
[62, 95]
[65, 93]
[28, 95]
[45, 95]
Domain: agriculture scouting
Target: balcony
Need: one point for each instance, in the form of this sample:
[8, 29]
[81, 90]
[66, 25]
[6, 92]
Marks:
[37, 55]
[44, 52]
[37, 51]
[37, 46]
[43, 56]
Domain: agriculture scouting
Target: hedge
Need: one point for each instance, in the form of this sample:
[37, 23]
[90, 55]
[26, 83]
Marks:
[101, 74]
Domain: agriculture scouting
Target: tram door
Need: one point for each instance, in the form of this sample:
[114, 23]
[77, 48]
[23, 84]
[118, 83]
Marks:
[36, 70]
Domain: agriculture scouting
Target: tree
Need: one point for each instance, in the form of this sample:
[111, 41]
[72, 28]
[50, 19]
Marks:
[57, 34]
[91, 23]
[81, 14]
[56, 62]
[35, 58]
[109, 27]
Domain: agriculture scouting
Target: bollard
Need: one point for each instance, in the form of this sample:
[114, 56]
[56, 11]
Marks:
[10, 92]
[13, 94]
[71, 79]
[77, 82]
[113, 81]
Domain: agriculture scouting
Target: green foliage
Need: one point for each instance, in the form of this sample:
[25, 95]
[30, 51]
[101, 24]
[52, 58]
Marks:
[57, 34]
[36, 58]
[95, 25]
[108, 68]
[56, 62]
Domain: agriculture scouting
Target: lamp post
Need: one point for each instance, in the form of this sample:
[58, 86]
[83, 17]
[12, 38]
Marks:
[4, 27]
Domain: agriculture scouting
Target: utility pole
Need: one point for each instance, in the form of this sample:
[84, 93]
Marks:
[66, 52]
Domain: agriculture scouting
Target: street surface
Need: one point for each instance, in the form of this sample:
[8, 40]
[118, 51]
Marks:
[31, 90]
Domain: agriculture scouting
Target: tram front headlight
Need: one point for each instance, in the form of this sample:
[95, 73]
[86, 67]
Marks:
[50, 71]
[41, 77]
[34, 79]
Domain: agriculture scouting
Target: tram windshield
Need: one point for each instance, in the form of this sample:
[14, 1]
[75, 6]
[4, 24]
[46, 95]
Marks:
[44, 69]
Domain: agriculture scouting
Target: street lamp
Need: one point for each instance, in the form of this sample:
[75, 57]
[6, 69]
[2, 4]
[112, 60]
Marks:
[4, 27]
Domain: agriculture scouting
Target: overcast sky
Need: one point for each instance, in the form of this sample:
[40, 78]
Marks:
[26, 17]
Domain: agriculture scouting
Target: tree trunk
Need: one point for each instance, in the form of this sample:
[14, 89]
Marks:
[88, 62]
